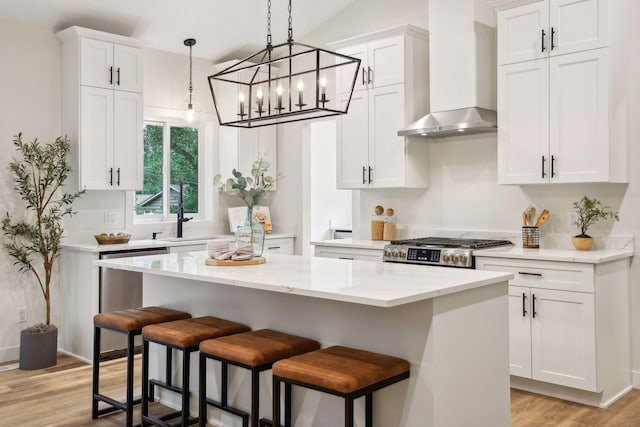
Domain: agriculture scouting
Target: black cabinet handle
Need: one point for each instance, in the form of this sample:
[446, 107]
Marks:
[533, 305]
[345, 258]
[553, 164]
[118, 82]
[524, 308]
[542, 38]
[111, 176]
[364, 82]
[110, 75]
[118, 177]
[525, 273]
[369, 71]
[273, 247]
[370, 170]
[364, 171]
[543, 162]
[553, 32]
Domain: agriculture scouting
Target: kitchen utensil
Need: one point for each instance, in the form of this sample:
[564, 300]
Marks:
[544, 217]
[531, 213]
[524, 218]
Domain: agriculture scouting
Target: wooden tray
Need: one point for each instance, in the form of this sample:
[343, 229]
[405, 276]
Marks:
[227, 262]
[112, 240]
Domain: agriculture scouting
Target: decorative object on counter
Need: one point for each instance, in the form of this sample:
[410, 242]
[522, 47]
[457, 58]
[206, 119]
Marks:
[274, 83]
[377, 223]
[39, 177]
[589, 211]
[251, 190]
[390, 228]
[111, 239]
[530, 228]
[530, 237]
[261, 214]
[232, 263]
[238, 254]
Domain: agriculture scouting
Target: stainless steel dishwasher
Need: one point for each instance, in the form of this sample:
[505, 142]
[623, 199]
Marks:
[119, 290]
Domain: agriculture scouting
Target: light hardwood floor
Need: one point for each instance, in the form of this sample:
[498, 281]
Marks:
[61, 396]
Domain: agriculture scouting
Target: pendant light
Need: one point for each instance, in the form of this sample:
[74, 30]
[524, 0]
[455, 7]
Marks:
[283, 83]
[191, 115]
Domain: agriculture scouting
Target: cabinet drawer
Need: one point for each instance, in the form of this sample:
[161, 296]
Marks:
[566, 276]
[349, 253]
[279, 246]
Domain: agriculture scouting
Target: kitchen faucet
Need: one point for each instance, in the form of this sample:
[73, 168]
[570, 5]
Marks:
[181, 217]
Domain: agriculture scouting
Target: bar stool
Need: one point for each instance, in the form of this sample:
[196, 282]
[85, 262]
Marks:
[129, 322]
[340, 371]
[255, 351]
[184, 335]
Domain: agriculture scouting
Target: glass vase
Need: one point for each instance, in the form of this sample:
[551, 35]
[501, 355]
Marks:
[250, 233]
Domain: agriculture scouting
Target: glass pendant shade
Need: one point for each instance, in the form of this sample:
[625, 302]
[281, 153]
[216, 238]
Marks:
[284, 83]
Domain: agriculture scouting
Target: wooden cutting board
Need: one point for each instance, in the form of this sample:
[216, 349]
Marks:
[228, 262]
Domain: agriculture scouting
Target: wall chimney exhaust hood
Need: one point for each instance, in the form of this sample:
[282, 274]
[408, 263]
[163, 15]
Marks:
[462, 71]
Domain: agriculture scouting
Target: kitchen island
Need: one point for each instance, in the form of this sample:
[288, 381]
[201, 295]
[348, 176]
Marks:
[450, 324]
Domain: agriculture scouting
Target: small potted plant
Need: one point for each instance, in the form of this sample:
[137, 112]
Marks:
[32, 237]
[589, 211]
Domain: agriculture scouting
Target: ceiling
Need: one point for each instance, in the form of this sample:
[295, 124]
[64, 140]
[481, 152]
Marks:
[223, 29]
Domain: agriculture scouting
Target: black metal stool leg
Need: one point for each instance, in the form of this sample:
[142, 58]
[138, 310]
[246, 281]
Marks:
[348, 412]
[186, 356]
[288, 405]
[129, 403]
[202, 392]
[96, 372]
[255, 397]
[368, 408]
[276, 402]
[145, 381]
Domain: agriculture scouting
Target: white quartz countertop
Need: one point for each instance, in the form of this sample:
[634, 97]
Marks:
[588, 257]
[363, 282]
[159, 243]
[351, 243]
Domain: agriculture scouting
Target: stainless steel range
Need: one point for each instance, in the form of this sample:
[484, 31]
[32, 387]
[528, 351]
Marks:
[442, 251]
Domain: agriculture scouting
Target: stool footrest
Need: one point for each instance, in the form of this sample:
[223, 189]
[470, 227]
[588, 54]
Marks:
[116, 405]
[235, 411]
[161, 421]
[265, 423]
[163, 384]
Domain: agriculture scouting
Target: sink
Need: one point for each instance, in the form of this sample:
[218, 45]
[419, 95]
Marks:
[190, 238]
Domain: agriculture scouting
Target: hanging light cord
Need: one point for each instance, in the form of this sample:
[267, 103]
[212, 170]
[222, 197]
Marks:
[190, 76]
[269, 24]
[290, 24]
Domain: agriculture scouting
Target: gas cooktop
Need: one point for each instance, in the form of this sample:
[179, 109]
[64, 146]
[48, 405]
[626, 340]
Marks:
[441, 251]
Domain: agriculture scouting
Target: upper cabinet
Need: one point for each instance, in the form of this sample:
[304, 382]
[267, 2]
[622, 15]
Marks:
[391, 90]
[103, 108]
[551, 27]
[557, 112]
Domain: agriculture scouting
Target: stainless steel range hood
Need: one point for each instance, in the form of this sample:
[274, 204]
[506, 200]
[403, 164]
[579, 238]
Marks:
[462, 71]
[453, 122]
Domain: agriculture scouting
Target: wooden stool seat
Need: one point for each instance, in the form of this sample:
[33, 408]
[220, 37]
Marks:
[255, 351]
[341, 369]
[191, 332]
[257, 348]
[137, 318]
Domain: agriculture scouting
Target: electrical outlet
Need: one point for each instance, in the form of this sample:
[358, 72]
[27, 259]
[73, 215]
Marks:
[110, 217]
[21, 314]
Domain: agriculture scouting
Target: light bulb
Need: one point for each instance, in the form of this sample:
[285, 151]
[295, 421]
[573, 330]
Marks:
[241, 97]
[259, 93]
[190, 114]
[323, 82]
[300, 85]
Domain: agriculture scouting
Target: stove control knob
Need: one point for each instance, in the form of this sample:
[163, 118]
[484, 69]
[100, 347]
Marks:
[394, 253]
[403, 254]
[445, 257]
[463, 259]
[387, 253]
[454, 258]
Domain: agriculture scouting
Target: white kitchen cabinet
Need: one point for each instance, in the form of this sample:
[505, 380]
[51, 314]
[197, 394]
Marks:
[239, 148]
[342, 252]
[551, 27]
[561, 321]
[391, 91]
[103, 108]
[553, 121]
[110, 66]
[279, 245]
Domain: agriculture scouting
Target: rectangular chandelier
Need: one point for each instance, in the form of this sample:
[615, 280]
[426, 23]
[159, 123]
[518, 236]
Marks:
[284, 83]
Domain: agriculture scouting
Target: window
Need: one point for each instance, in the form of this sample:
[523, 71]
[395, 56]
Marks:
[170, 158]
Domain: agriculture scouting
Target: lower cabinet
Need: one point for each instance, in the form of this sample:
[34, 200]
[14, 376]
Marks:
[569, 327]
[348, 253]
[279, 246]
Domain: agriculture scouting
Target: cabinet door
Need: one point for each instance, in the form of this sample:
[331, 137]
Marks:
[127, 66]
[279, 246]
[578, 25]
[96, 138]
[387, 150]
[96, 63]
[523, 122]
[352, 145]
[386, 62]
[520, 33]
[520, 331]
[579, 116]
[128, 145]
[563, 338]
[344, 78]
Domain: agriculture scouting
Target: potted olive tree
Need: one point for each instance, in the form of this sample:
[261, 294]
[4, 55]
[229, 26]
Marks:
[589, 211]
[32, 237]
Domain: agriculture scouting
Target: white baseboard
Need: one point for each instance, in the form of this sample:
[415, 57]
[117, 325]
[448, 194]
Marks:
[9, 354]
[68, 353]
[635, 379]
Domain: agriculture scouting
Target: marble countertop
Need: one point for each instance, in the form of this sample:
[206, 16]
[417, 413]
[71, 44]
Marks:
[351, 243]
[588, 257]
[362, 282]
[159, 243]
